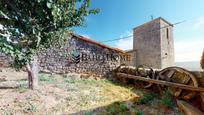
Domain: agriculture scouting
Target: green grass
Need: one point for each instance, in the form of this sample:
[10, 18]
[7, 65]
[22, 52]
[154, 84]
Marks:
[111, 111]
[88, 113]
[138, 112]
[123, 107]
[69, 80]
[22, 86]
[46, 78]
[31, 108]
[167, 100]
[146, 98]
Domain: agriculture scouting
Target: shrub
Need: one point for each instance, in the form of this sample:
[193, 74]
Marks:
[147, 98]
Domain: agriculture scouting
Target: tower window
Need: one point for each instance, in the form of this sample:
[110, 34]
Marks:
[167, 33]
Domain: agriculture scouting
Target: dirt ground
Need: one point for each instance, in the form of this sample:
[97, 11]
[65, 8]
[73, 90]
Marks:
[73, 94]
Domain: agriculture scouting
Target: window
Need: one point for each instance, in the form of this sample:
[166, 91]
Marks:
[167, 33]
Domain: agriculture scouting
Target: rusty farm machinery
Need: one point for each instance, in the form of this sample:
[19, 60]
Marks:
[179, 81]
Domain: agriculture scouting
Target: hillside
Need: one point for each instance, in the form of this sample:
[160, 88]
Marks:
[190, 65]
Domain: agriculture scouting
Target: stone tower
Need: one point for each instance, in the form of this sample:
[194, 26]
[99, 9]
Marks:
[153, 44]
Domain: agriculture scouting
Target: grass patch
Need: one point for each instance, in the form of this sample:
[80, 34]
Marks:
[88, 113]
[31, 108]
[111, 111]
[47, 78]
[22, 86]
[167, 100]
[7, 111]
[69, 80]
[138, 112]
[123, 107]
[146, 98]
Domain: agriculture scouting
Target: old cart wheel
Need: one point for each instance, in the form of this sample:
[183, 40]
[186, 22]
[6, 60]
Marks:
[145, 71]
[179, 75]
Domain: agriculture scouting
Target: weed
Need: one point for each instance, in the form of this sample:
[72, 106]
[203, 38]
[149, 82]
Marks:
[111, 111]
[31, 108]
[88, 113]
[138, 112]
[21, 86]
[147, 98]
[123, 107]
[46, 78]
[167, 100]
[69, 80]
[61, 86]
[7, 111]
[72, 90]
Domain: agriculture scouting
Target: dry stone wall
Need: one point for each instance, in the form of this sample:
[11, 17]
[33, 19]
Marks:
[5, 61]
[77, 56]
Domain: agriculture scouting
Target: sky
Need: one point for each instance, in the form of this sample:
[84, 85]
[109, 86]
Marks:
[117, 18]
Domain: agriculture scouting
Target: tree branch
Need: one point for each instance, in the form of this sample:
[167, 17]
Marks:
[8, 22]
[12, 6]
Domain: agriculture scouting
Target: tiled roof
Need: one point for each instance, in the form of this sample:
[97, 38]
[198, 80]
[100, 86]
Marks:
[97, 43]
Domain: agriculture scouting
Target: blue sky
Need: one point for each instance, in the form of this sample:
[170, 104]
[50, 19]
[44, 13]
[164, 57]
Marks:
[118, 17]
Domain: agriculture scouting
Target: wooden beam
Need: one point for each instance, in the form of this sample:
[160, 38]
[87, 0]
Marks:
[166, 83]
[187, 109]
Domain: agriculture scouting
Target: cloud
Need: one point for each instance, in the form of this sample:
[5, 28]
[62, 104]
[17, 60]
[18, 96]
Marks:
[125, 44]
[199, 23]
[190, 50]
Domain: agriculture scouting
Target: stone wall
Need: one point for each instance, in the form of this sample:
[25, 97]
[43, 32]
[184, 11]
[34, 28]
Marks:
[132, 61]
[80, 57]
[77, 56]
[153, 42]
[147, 44]
[5, 61]
[167, 44]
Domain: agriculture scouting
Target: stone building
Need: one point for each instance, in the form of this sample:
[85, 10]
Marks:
[153, 44]
[79, 55]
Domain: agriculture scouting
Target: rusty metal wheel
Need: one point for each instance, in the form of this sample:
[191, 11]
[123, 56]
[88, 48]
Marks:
[123, 68]
[178, 75]
[145, 71]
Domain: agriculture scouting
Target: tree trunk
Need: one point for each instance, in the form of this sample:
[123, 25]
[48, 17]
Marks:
[32, 70]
